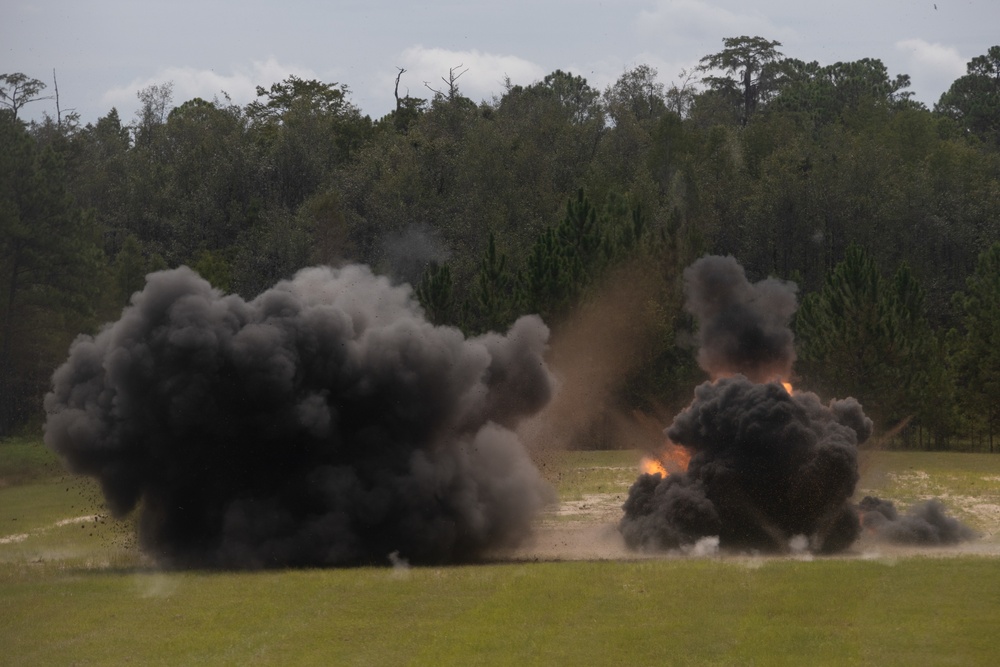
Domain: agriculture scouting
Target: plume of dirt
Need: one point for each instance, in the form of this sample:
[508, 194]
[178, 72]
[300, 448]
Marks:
[325, 422]
[591, 354]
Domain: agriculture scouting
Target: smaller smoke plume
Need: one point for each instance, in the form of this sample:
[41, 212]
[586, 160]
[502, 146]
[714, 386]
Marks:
[325, 422]
[766, 467]
[742, 327]
[769, 470]
[925, 523]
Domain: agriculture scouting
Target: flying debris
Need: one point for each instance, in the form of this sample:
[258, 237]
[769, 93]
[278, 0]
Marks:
[325, 422]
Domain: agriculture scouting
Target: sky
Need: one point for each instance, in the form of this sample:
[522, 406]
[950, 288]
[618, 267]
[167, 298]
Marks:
[104, 51]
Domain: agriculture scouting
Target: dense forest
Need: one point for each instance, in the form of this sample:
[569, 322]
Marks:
[884, 212]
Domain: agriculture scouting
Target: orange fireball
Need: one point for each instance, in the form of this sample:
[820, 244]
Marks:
[651, 466]
[670, 459]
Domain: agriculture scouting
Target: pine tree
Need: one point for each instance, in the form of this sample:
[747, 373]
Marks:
[978, 356]
[493, 304]
[435, 293]
[865, 336]
[52, 271]
[580, 239]
[545, 284]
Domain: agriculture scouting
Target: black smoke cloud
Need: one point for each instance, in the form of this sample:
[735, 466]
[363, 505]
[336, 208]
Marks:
[766, 466]
[325, 422]
[743, 328]
[925, 523]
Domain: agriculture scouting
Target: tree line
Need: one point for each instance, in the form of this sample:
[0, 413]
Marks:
[883, 211]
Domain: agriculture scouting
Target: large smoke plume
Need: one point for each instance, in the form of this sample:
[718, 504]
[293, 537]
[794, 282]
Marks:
[325, 422]
[766, 465]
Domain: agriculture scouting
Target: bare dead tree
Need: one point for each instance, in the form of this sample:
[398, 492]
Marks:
[680, 97]
[55, 87]
[451, 82]
[395, 91]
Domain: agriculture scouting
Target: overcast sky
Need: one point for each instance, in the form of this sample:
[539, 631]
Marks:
[104, 51]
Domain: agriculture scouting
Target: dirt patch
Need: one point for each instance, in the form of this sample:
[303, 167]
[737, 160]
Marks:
[592, 508]
[587, 529]
[985, 515]
[72, 521]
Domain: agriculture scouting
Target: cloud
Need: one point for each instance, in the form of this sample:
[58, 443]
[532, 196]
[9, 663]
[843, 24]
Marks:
[696, 20]
[937, 58]
[190, 82]
[931, 66]
[484, 73]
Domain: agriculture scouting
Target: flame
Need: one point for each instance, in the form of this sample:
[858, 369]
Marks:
[651, 466]
[670, 459]
[775, 378]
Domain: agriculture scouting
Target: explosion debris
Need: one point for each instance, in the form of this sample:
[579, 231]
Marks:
[325, 422]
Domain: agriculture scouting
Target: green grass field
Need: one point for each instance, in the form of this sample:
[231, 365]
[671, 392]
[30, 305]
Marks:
[73, 590]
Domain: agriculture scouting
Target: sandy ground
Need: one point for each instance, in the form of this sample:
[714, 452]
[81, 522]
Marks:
[15, 538]
[587, 529]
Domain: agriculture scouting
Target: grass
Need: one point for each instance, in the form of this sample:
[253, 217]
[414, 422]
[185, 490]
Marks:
[968, 484]
[25, 460]
[579, 474]
[917, 611]
[82, 595]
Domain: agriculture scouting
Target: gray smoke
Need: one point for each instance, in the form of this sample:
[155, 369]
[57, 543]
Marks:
[766, 467]
[925, 523]
[325, 422]
[743, 328]
[408, 252]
